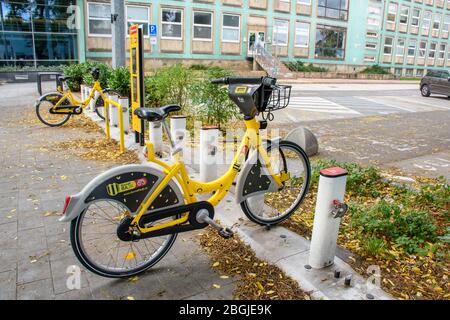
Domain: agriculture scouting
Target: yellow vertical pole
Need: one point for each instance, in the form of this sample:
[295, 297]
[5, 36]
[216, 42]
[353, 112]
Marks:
[122, 135]
[106, 110]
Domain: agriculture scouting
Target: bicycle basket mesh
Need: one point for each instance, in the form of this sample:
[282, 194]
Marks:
[276, 98]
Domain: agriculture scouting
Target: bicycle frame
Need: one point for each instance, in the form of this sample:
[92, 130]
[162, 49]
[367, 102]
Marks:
[219, 186]
[68, 95]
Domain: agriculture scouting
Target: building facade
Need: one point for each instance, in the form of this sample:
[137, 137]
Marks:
[404, 36]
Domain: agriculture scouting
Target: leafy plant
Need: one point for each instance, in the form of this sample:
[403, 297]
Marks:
[375, 69]
[199, 67]
[213, 105]
[105, 71]
[76, 73]
[299, 66]
[119, 81]
[373, 245]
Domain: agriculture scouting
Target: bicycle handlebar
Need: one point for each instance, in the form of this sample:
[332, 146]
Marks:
[267, 81]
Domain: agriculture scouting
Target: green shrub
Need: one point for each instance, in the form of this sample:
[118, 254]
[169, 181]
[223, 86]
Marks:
[119, 81]
[76, 73]
[375, 69]
[105, 71]
[213, 104]
[362, 181]
[373, 245]
[409, 229]
[199, 67]
[299, 66]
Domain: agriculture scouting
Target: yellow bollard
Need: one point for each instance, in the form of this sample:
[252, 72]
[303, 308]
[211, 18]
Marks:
[106, 115]
[122, 138]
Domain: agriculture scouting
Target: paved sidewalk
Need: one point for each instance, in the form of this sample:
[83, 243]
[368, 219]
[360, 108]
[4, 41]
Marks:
[35, 248]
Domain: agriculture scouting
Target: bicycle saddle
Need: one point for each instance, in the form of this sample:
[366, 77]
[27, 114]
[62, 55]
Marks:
[156, 114]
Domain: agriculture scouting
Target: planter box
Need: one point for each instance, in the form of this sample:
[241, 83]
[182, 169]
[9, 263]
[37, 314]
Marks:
[26, 76]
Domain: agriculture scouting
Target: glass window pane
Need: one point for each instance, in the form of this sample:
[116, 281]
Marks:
[202, 18]
[97, 10]
[330, 43]
[202, 32]
[171, 15]
[16, 46]
[230, 34]
[230, 21]
[15, 16]
[99, 26]
[171, 30]
[55, 46]
[51, 19]
[137, 13]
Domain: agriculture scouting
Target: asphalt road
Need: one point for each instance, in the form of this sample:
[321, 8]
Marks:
[389, 125]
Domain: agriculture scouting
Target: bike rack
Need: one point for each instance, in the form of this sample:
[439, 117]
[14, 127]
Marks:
[39, 79]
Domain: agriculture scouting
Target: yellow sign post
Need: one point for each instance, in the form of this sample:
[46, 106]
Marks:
[137, 80]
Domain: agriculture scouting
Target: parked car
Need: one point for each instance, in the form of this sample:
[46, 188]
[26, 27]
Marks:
[435, 82]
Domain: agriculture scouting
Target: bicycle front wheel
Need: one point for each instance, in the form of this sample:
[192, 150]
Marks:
[45, 104]
[272, 208]
[94, 239]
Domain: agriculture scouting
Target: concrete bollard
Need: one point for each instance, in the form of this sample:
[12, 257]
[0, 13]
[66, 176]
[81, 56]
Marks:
[113, 112]
[178, 131]
[155, 136]
[82, 92]
[209, 140]
[123, 101]
[330, 208]
[93, 101]
[305, 139]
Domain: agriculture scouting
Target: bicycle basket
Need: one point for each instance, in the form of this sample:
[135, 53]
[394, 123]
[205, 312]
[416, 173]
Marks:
[276, 98]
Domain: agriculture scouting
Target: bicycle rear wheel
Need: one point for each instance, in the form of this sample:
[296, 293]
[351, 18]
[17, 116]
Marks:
[272, 208]
[94, 239]
[45, 104]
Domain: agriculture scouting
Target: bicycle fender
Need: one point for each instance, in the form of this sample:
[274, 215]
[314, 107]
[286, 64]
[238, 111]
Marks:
[130, 185]
[254, 178]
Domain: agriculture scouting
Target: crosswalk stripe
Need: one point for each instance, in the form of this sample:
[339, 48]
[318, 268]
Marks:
[317, 104]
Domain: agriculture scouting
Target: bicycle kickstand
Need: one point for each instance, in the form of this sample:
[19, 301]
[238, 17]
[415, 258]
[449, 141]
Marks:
[203, 217]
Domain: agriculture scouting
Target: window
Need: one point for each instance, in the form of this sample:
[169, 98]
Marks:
[231, 28]
[373, 22]
[422, 49]
[302, 34]
[138, 15]
[441, 53]
[412, 48]
[398, 71]
[409, 72]
[371, 45]
[304, 2]
[432, 50]
[280, 32]
[388, 45]
[446, 25]
[99, 19]
[392, 12]
[171, 23]
[400, 47]
[369, 58]
[372, 34]
[415, 17]
[419, 73]
[404, 15]
[426, 20]
[330, 42]
[437, 22]
[335, 9]
[374, 10]
[202, 25]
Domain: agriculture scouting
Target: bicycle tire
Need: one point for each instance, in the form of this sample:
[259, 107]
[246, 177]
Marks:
[39, 105]
[298, 201]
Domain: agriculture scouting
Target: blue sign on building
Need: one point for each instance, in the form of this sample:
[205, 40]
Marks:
[152, 30]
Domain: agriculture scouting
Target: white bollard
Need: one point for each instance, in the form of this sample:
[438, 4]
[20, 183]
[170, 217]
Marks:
[178, 131]
[82, 91]
[209, 141]
[123, 101]
[155, 136]
[113, 112]
[93, 101]
[329, 210]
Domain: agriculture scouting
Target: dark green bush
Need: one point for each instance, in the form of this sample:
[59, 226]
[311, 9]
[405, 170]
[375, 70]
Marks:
[105, 71]
[375, 69]
[76, 73]
[299, 66]
[119, 81]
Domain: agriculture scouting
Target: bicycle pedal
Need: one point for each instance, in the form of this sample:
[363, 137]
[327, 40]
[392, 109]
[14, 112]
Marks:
[226, 233]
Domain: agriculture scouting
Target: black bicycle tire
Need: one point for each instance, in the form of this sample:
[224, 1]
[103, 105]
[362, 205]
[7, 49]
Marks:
[41, 119]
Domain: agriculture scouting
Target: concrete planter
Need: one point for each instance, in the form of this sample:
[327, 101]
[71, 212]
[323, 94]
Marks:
[123, 101]
[24, 76]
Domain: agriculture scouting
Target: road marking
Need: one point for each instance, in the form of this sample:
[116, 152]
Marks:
[387, 105]
[317, 104]
[421, 103]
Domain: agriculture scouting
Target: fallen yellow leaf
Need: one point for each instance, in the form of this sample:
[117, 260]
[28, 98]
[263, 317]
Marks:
[217, 286]
[130, 255]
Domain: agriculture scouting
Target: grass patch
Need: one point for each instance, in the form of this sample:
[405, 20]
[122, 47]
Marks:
[375, 69]
[404, 229]
[300, 66]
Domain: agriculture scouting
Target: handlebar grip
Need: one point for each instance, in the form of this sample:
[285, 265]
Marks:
[220, 81]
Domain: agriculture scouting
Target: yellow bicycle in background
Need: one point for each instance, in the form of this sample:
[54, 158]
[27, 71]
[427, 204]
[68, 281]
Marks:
[55, 108]
[126, 219]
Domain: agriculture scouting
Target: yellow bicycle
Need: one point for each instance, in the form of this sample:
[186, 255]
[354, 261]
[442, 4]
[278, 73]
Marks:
[126, 219]
[55, 108]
